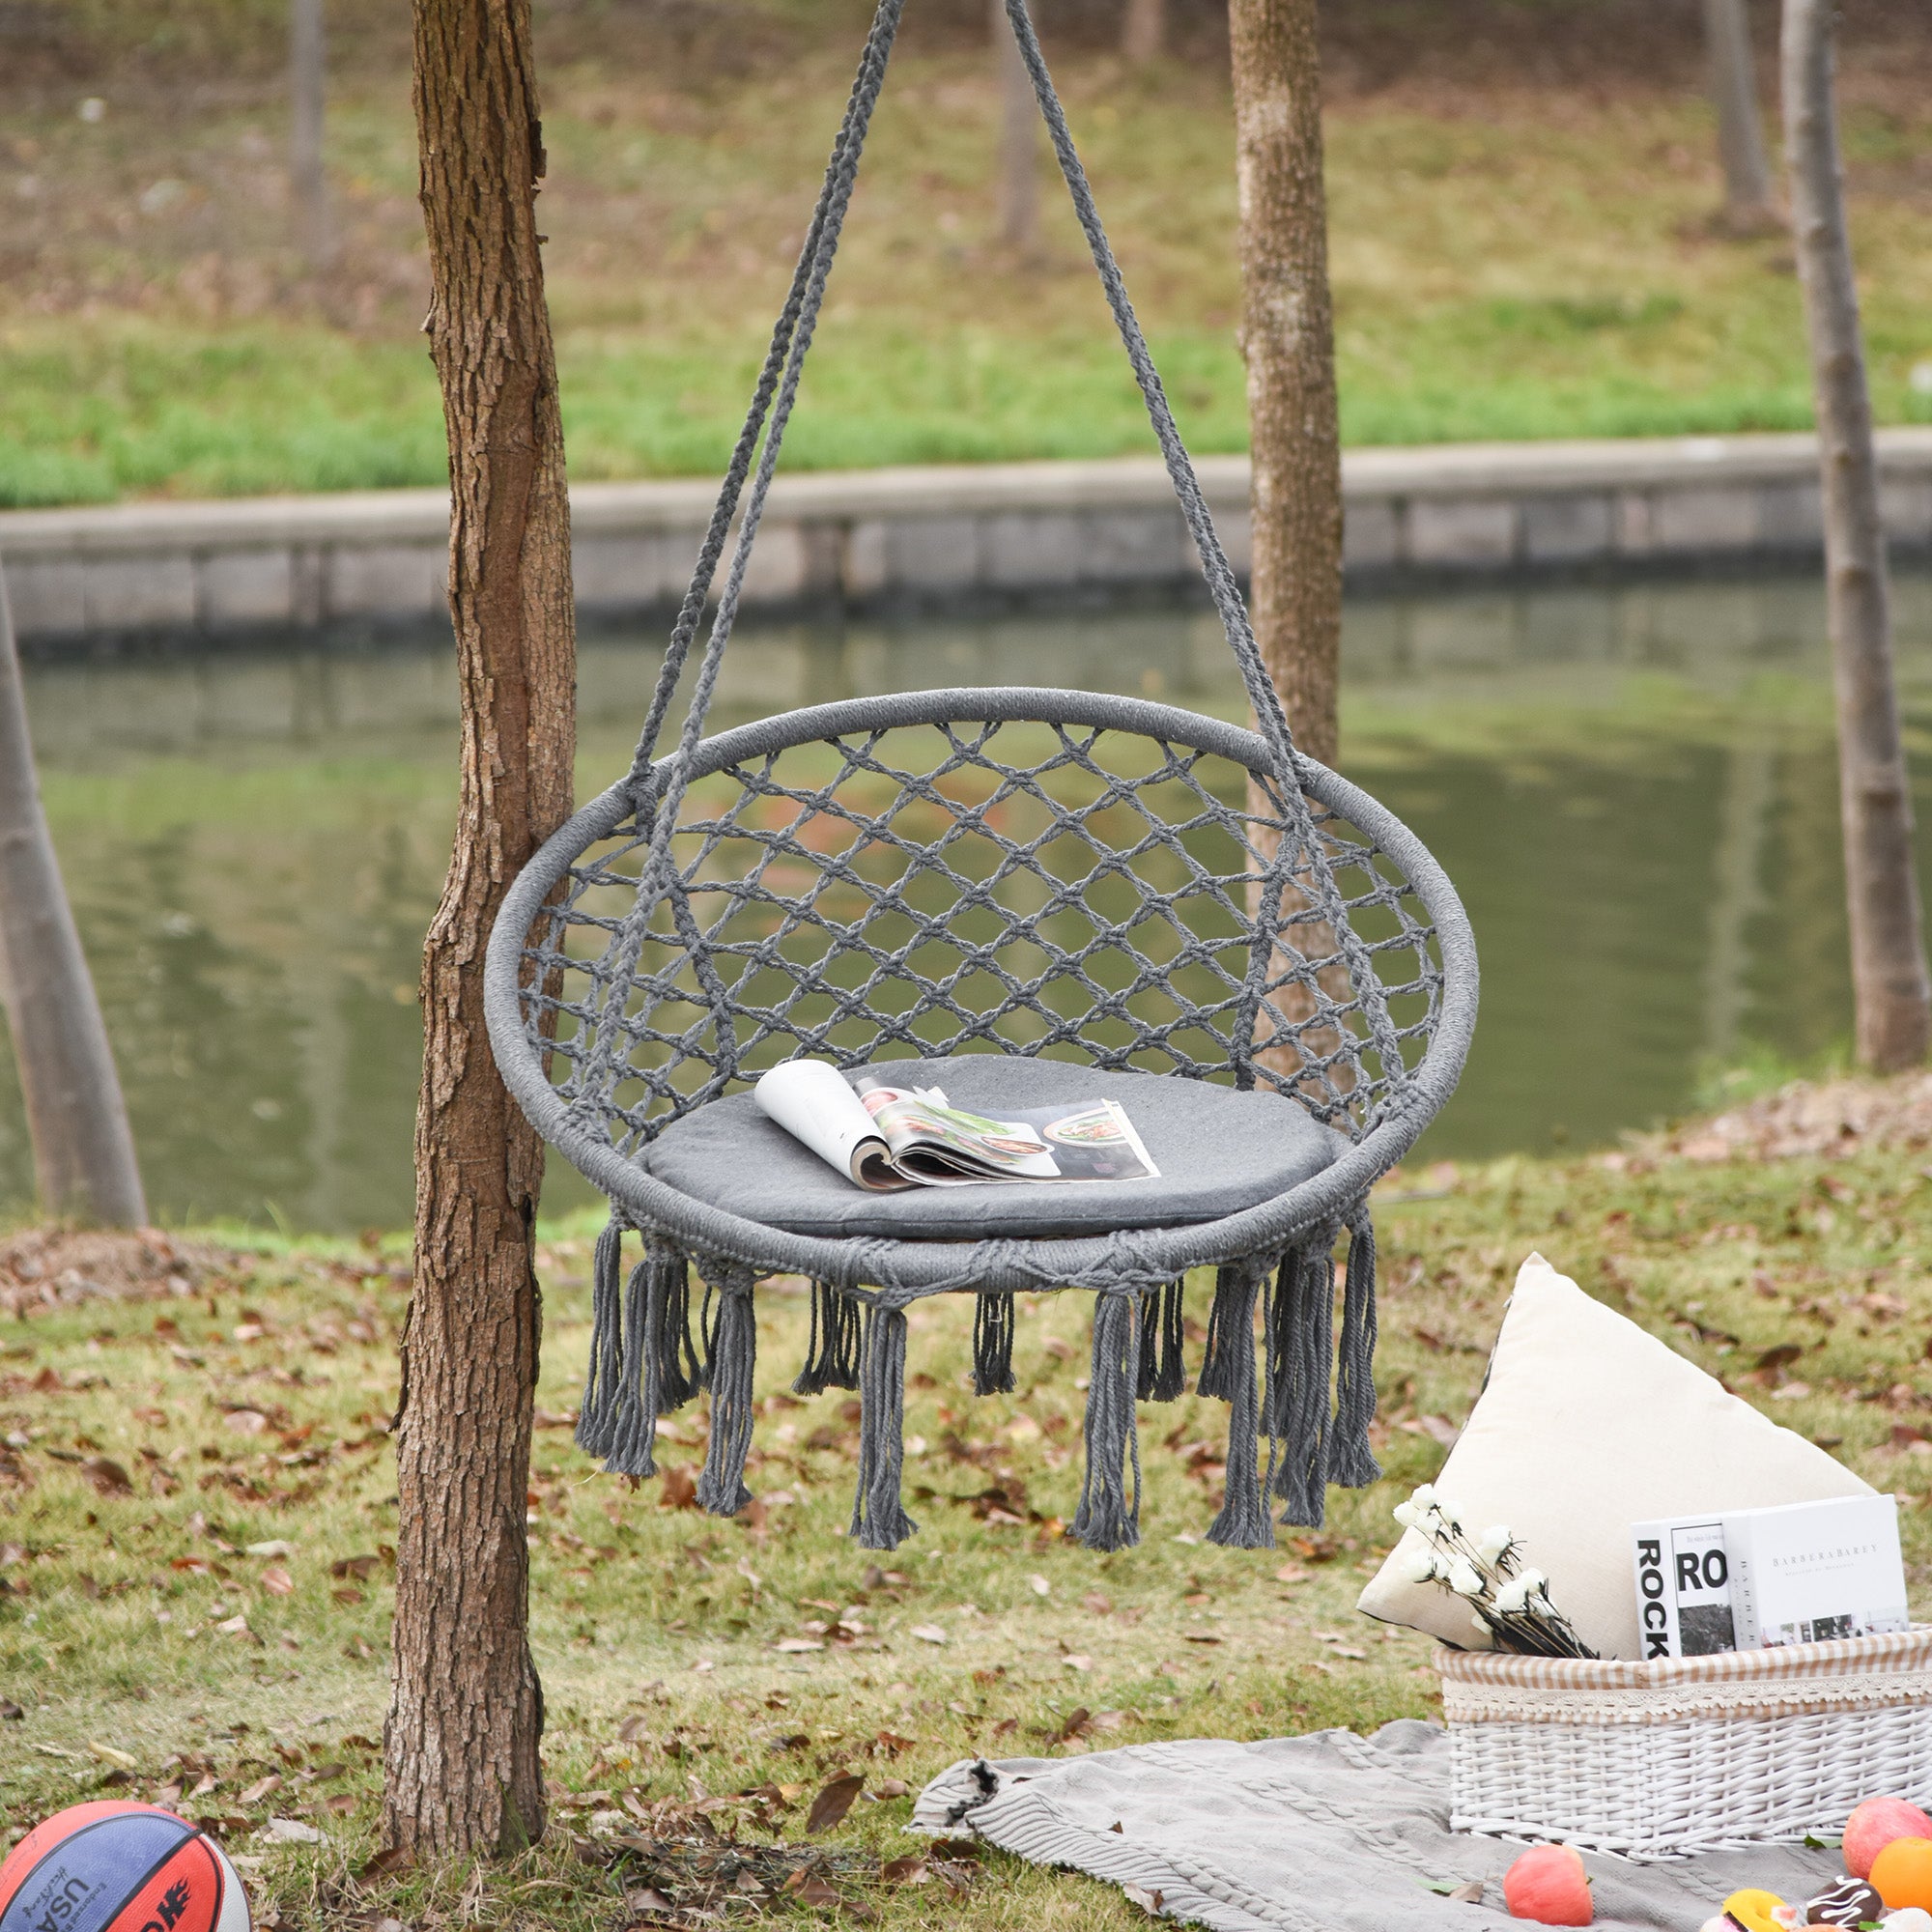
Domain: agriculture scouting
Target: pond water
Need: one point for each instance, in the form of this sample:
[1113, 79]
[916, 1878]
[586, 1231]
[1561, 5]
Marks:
[1634, 787]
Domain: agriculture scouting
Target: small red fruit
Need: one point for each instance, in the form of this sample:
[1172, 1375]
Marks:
[1874, 1825]
[1549, 1884]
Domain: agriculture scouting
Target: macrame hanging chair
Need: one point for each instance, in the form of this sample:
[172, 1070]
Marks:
[1009, 888]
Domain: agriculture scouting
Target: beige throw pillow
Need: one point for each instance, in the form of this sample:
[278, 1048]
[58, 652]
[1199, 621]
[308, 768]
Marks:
[1585, 1426]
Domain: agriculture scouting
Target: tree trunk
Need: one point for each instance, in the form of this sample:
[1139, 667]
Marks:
[307, 65]
[1144, 31]
[1019, 140]
[1287, 338]
[465, 1709]
[1747, 203]
[1888, 976]
[83, 1152]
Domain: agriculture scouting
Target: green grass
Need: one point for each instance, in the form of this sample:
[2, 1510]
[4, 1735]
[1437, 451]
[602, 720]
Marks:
[1511, 263]
[656, 1628]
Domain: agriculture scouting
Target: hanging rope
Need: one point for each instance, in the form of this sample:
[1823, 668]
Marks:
[659, 789]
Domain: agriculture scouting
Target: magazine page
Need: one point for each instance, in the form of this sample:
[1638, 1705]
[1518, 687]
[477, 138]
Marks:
[814, 1102]
[931, 1140]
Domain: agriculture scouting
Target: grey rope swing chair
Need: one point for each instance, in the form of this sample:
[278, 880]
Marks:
[1007, 889]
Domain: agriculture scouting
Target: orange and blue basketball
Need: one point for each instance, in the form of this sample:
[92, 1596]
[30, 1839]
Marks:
[116, 1867]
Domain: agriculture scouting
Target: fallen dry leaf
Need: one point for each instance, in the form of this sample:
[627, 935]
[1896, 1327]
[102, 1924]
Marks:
[927, 1632]
[678, 1489]
[247, 1421]
[833, 1802]
[106, 1476]
[277, 1582]
[107, 1754]
[263, 1787]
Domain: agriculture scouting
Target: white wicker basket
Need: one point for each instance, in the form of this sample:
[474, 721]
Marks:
[1691, 1753]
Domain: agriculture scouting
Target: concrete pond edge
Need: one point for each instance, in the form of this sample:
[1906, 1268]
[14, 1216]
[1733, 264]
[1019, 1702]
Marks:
[945, 535]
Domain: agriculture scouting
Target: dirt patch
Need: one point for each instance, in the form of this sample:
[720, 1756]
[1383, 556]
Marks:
[1809, 1121]
[48, 1267]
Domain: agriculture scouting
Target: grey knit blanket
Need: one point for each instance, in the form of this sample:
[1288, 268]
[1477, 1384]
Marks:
[1330, 1833]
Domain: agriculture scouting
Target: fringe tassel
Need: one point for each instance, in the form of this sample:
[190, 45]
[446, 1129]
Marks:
[604, 1379]
[1302, 1342]
[629, 1450]
[1163, 1371]
[993, 1320]
[734, 1352]
[673, 1355]
[1351, 1461]
[832, 1355]
[1243, 1521]
[1234, 1292]
[707, 1350]
[1105, 1519]
[879, 1520]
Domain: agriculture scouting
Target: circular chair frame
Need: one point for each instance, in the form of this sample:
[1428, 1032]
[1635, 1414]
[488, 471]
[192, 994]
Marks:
[518, 1014]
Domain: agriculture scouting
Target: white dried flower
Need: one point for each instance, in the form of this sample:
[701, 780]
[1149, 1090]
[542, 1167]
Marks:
[1464, 1578]
[1451, 1513]
[1533, 1581]
[1512, 1597]
[1408, 1515]
[1494, 1542]
[1423, 1496]
[1418, 1565]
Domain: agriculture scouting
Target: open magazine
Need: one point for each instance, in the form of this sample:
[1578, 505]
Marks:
[884, 1136]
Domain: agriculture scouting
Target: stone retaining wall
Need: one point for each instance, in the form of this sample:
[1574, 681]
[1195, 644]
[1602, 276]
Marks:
[944, 535]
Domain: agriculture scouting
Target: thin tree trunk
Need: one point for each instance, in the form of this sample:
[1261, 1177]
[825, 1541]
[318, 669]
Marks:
[1018, 161]
[1287, 338]
[465, 1709]
[1733, 77]
[1144, 31]
[1889, 976]
[83, 1152]
[307, 67]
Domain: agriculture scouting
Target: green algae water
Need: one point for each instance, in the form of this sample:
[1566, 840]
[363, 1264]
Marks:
[1633, 787]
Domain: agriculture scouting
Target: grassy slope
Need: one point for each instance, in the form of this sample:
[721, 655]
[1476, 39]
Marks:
[1508, 262]
[659, 1624]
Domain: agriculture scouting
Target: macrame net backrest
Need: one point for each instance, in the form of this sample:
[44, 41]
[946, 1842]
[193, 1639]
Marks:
[1318, 1002]
[998, 885]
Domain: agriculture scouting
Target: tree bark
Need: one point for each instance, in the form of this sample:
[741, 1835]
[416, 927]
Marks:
[1018, 161]
[83, 1152]
[1144, 31]
[465, 1709]
[308, 70]
[1889, 976]
[1733, 78]
[1287, 338]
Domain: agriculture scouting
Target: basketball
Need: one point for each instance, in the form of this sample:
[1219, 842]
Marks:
[116, 1867]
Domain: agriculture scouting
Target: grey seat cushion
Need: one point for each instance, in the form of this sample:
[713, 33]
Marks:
[1218, 1151]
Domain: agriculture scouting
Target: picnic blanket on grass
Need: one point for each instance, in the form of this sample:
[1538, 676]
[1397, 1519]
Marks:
[1330, 1833]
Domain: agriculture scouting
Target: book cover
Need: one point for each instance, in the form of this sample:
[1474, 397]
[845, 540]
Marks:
[1684, 1586]
[1813, 1571]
